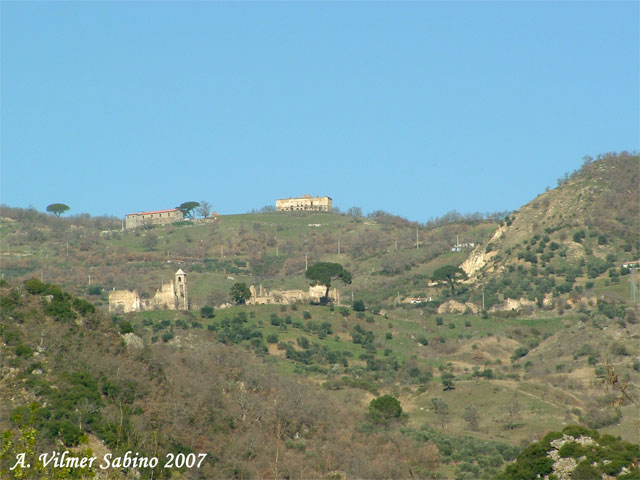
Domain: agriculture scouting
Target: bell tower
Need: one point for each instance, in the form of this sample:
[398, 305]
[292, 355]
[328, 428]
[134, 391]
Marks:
[180, 290]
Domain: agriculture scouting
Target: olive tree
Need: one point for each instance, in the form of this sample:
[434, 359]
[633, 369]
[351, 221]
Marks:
[240, 293]
[449, 275]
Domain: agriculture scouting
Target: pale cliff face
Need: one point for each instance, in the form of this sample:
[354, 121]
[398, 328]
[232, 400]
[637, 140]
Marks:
[479, 257]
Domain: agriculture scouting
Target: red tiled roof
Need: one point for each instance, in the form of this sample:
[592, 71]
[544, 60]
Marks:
[156, 211]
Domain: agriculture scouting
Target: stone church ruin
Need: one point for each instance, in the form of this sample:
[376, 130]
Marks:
[170, 296]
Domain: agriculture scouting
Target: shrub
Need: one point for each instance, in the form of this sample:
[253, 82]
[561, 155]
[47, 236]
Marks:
[83, 307]
[385, 408]
[35, 286]
[60, 309]
[125, 327]
[599, 419]
[358, 306]
[94, 290]
[166, 336]
[578, 236]
[619, 349]
[182, 324]
[448, 381]
[519, 353]
[23, 350]
[206, 312]
[611, 310]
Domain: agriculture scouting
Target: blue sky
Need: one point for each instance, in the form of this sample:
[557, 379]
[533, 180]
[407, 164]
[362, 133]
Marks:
[416, 108]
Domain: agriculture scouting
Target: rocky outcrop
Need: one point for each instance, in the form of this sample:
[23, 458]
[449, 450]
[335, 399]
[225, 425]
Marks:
[517, 305]
[564, 466]
[479, 256]
[133, 342]
[453, 306]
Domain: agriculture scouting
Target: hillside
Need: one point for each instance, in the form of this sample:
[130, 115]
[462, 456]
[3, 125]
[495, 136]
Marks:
[283, 391]
[81, 382]
[569, 242]
[269, 249]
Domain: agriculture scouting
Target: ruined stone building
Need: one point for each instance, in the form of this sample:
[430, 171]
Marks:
[170, 296]
[304, 203]
[158, 217]
[287, 297]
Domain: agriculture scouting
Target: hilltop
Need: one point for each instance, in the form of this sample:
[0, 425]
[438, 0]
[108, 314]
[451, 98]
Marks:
[569, 242]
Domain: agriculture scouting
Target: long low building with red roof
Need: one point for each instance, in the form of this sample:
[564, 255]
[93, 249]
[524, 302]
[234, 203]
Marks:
[157, 217]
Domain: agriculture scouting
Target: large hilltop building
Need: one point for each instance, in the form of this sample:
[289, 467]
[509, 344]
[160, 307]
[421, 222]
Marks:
[158, 217]
[304, 203]
[171, 296]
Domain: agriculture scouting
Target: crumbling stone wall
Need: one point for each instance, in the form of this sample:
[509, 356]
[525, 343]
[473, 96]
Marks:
[287, 297]
[165, 298]
[124, 301]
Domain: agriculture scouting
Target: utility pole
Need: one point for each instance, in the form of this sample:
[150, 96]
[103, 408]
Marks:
[89, 279]
[306, 262]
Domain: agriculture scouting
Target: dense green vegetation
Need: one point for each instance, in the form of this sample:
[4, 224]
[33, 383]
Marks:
[598, 456]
